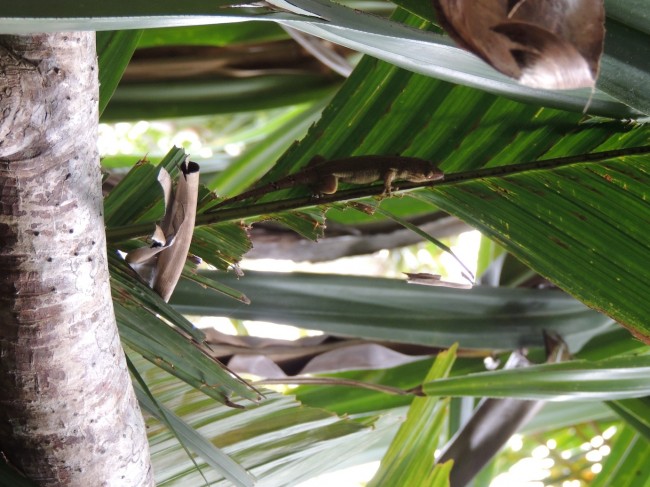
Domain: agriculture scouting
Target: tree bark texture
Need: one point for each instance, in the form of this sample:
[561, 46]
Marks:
[68, 413]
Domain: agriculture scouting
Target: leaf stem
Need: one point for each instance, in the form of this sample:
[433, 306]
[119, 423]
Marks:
[119, 234]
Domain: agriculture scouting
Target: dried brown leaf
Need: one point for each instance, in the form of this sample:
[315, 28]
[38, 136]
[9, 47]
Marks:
[161, 264]
[552, 44]
[179, 223]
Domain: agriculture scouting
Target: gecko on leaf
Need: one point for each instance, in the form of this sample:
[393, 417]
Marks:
[323, 175]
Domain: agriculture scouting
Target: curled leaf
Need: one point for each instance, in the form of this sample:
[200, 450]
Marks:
[552, 44]
[161, 264]
[145, 254]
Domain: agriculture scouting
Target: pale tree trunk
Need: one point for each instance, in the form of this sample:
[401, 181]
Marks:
[68, 413]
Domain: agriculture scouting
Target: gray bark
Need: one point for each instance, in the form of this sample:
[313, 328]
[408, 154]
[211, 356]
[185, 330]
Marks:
[68, 413]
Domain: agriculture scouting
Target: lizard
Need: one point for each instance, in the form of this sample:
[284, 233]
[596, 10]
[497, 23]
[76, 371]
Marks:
[323, 175]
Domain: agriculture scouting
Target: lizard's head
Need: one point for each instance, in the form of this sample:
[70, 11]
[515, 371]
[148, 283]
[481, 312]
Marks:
[426, 171]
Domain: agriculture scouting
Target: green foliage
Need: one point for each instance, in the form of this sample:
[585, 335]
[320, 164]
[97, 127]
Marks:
[636, 413]
[430, 54]
[168, 99]
[142, 315]
[209, 35]
[409, 459]
[383, 109]
[613, 378]
[627, 465]
[543, 217]
[114, 50]
[275, 440]
[342, 305]
[582, 226]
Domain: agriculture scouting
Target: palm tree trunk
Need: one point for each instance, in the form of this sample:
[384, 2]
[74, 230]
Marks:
[68, 413]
